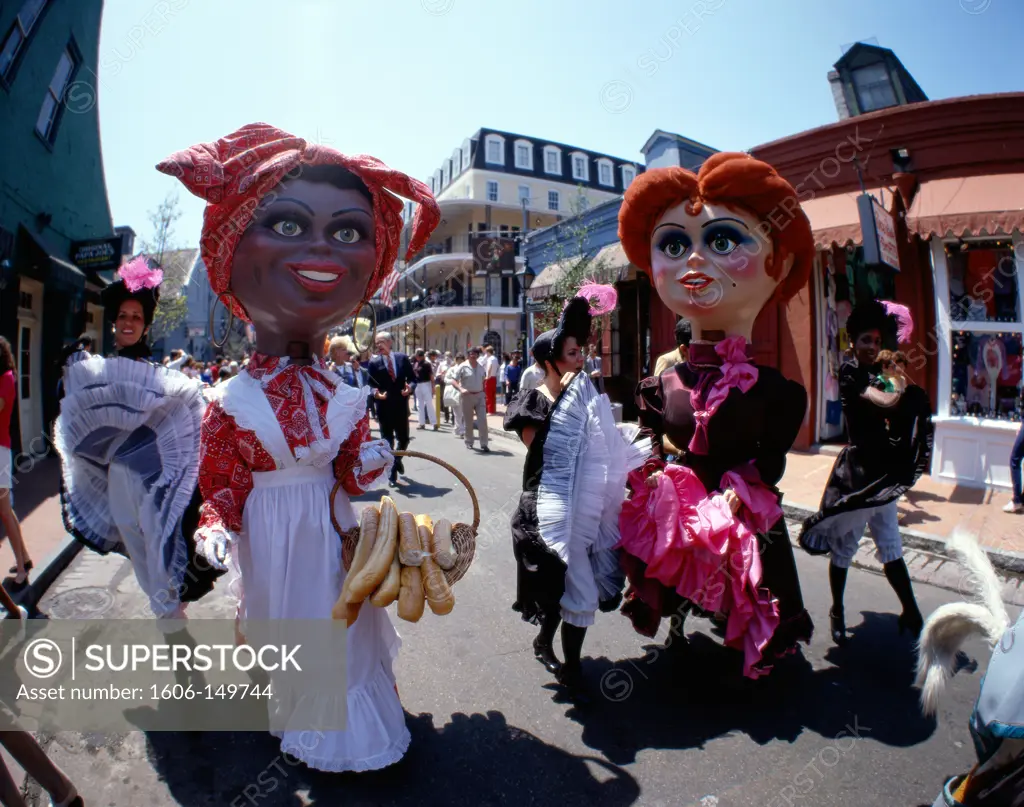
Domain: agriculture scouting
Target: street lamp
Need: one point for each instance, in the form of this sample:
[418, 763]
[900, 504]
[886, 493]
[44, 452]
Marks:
[526, 276]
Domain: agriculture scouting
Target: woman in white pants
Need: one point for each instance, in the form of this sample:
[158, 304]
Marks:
[423, 370]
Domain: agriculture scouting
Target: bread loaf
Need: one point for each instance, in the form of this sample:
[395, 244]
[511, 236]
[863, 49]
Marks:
[368, 524]
[387, 592]
[410, 596]
[441, 546]
[435, 586]
[409, 551]
[379, 563]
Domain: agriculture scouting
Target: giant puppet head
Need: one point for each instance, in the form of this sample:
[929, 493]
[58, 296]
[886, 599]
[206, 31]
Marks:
[718, 244]
[297, 235]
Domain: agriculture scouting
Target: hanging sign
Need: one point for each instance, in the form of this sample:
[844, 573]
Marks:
[879, 233]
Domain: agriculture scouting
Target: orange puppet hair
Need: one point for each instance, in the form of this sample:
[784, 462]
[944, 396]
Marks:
[727, 178]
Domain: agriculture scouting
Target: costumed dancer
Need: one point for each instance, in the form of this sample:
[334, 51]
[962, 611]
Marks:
[128, 438]
[704, 533]
[296, 237]
[997, 722]
[566, 527]
[890, 445]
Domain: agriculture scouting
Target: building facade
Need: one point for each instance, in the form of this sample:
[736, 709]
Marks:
[949, 176]
[56, 234]
[464, 288]
[642, 327]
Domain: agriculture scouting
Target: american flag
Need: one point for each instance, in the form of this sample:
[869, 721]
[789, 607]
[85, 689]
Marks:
[388, 289]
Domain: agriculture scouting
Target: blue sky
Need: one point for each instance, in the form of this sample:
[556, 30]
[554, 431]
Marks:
[407, 80]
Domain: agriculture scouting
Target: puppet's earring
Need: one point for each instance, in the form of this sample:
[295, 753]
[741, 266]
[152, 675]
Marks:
[361, 328]
[231, 320]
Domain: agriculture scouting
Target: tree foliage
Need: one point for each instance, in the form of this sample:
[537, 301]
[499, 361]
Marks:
[173, 306]
[578, 257]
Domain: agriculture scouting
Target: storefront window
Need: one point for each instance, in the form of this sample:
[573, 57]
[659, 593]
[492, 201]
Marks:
[982, 284]
[986, 375]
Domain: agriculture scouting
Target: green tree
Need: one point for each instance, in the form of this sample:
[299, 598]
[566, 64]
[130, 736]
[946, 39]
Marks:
[173, 306]
[579, 259]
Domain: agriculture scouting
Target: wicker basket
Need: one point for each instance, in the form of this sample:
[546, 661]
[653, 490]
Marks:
[463, 535]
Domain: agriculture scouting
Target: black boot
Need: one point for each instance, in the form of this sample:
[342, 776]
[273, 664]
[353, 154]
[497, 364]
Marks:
[837, 582]
[571, 674]
[542, 645]
[898, 575]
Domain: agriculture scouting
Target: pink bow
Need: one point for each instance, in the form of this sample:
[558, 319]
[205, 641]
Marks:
[737, 371]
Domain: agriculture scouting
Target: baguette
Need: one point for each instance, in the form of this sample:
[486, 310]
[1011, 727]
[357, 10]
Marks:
[441, 545]
[368, 523]
[409, 551]
[435, 586]
[387, 592]
[423, 520]
[372, 574]
[410, 596]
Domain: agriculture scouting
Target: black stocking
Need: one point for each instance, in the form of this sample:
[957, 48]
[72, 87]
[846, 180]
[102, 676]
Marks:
[572, 646]
[548, 626]
[837, 582]
[898, 575]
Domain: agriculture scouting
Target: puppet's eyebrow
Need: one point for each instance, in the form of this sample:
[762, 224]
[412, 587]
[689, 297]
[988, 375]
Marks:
[725, 218]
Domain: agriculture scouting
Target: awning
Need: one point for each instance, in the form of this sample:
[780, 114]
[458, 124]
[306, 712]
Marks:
[984, 205]
[614, 266]
[57, 271]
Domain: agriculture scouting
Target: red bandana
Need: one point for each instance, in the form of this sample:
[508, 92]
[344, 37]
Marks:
[236, 172]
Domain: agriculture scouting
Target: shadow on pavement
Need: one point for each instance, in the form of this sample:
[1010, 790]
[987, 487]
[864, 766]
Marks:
[685, 696]
[476, 760]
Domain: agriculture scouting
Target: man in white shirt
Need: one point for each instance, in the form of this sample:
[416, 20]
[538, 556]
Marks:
[470, 381]
[490, 365]
[533, 376]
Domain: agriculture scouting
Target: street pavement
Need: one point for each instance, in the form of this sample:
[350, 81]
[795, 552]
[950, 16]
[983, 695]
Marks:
[831, 727]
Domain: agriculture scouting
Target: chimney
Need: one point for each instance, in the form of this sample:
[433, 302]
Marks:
[838, 96]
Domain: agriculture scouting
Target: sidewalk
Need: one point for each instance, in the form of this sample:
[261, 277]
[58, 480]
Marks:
[927, 519]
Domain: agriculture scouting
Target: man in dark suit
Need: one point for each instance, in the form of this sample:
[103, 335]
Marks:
[391, 377]
[355, 375]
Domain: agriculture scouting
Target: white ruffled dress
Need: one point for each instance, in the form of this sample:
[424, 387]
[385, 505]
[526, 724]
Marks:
[288, 561]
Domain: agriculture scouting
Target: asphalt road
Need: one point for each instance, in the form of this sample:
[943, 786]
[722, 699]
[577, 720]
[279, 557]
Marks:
[829, 728]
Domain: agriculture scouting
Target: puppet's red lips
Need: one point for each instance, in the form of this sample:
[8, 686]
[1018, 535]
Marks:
[318, 276]
[696, 281]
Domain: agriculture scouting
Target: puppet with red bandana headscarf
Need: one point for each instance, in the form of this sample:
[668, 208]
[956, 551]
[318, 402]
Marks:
[296, 236]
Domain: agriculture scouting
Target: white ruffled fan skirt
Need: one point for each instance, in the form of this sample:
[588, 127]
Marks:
[587, 458]
[128, 438]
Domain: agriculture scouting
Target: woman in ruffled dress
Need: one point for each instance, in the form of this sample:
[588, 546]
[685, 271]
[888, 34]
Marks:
[295, 237]
[128, 438]
[566, 527]
[705, 534]
[890, 447]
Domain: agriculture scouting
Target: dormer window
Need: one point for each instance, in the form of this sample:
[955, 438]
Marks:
[457, 166]
[628, 175]
[873, 87]
[605, 172]
[580, 166]
[495, 149]
[466, 153]
[524, 155]
[446, 173]
[552, 160]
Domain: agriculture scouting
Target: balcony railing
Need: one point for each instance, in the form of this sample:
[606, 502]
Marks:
[460, 244]
[454, 298]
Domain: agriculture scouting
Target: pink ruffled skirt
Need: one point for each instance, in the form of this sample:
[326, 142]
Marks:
[680, 537]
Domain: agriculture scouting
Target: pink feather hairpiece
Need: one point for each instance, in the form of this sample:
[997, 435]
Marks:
[603, 297]
[137, 275]
[904, 321]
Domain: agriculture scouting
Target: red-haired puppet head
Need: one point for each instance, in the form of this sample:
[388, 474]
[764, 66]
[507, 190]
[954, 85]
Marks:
[317, 231]
[721, 243]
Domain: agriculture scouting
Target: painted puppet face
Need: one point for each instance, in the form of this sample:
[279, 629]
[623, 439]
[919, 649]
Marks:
[710, 266]
[306, 259]
[130, 325]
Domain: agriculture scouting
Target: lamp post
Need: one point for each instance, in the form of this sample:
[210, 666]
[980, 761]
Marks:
[525, 276]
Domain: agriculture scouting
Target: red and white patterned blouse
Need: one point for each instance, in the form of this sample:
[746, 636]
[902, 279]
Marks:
[229, 454]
